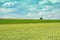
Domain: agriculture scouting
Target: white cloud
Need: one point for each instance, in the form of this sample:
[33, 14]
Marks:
[10, 16]
[30, 15]
[43, 2]
[54, 1]
[48, 8]
[47, 1]
[45, 8]
[41, 13]
[3, 0]
[8, 4]
[7, 10]
[53, 14]
[32, 8]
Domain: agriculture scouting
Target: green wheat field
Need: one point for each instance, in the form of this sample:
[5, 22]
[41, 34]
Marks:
[29, 29]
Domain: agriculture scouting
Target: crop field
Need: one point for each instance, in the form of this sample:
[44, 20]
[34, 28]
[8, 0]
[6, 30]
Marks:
[26, 21]
[32, 31]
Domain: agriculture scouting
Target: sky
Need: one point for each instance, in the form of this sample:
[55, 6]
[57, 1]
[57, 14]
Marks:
[31, 9]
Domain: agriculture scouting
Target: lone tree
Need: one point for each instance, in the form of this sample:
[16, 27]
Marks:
[41, 18]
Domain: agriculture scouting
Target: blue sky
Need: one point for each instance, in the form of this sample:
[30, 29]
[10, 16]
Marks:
[48, 9]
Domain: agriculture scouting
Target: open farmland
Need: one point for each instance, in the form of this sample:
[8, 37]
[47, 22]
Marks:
[35, 31]
[26, 21]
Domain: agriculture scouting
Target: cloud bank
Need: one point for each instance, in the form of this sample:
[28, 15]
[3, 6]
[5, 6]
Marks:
[48, 9]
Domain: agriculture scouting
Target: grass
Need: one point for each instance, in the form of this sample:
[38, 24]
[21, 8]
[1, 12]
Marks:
[28, 29]
[25, 21]
[35, 31]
